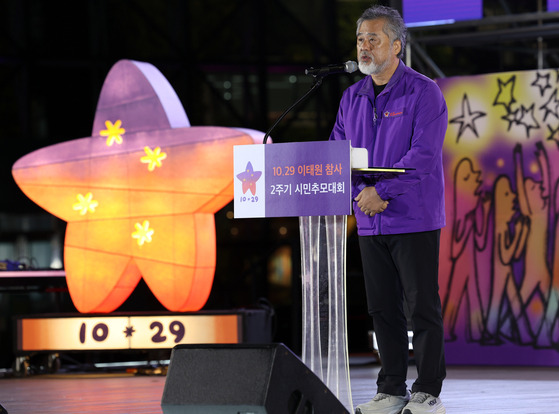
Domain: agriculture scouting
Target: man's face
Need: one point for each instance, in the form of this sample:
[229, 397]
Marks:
[375, 52]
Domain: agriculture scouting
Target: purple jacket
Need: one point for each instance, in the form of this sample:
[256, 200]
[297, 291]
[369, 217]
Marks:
[403, 127]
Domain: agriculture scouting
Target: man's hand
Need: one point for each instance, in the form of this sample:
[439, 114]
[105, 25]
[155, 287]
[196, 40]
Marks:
[370, 202]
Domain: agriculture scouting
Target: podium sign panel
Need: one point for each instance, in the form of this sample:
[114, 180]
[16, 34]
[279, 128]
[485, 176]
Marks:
[292, 179]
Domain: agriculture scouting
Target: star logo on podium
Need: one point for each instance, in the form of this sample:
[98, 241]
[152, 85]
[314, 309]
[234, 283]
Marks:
[249, 177]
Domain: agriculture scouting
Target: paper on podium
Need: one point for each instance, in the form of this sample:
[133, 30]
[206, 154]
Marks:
[359, 158]
[360, 164]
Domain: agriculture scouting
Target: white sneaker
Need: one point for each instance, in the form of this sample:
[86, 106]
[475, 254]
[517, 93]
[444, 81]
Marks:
[384, 404]
[423, 403]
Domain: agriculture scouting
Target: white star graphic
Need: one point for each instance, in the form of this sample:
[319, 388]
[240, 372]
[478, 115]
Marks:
[467, 119]
[542, 82]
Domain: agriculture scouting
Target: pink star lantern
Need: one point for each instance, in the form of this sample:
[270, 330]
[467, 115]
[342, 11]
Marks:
[139, 195]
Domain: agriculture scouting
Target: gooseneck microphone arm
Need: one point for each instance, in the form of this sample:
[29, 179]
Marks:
[316, 84]
[318, 74]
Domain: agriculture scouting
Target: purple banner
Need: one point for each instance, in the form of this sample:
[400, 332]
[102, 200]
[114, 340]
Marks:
[308, 179]
[430, 12]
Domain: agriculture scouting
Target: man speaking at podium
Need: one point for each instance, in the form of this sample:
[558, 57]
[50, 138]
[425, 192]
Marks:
[400, 116]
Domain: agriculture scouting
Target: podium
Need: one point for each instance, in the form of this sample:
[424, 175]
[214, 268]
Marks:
[311, 180]
[323, 265]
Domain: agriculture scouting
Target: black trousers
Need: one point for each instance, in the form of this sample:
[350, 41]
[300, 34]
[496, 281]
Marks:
[394, 267]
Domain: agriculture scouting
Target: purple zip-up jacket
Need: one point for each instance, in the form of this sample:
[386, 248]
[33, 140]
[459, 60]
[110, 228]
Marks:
[403, 127]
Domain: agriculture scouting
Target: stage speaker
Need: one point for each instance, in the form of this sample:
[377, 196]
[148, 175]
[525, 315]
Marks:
[3, 410]
[243, 379]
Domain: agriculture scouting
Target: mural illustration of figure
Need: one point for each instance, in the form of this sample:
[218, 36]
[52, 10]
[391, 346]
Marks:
[507, 246]
[533, 200]
[504, 277]
[469, 236]
[550, 328]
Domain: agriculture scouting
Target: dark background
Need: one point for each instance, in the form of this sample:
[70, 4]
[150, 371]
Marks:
[232, 63]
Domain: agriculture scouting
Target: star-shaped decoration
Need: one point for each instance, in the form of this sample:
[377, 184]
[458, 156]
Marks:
[113, 132]
[505, 96]
[159, 227]
[542, 82]
[551, 107]
[527, 119]
[129, 331]
[467, 119]
[153, 158]
[511, 118]
[85, 204]
[249, 177]
[553, 134]
[522, 117]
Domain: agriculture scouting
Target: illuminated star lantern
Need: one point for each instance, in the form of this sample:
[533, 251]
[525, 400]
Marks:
[249, 177]
[139, 195]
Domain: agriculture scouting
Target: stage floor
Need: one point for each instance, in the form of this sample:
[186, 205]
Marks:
[467, 390]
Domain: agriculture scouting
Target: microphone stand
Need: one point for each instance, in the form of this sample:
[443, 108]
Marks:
[316, 84]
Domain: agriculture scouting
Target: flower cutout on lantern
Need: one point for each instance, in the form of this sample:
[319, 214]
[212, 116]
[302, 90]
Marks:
[107, 253]
[153, 158]
[113, 132]
[143, 233]
[85, 204]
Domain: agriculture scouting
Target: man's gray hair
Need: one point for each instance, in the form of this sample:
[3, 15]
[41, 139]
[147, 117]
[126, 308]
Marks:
[394, 26]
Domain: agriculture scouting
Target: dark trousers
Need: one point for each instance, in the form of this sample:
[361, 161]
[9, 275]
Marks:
[407, 265]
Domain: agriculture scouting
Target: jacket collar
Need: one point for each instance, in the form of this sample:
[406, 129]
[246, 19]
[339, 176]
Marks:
[367, 88]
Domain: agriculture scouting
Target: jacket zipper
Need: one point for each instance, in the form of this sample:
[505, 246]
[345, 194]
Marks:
[377, 219]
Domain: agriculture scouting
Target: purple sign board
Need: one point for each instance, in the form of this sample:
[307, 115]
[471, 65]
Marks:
[292, 179]
[435, 12]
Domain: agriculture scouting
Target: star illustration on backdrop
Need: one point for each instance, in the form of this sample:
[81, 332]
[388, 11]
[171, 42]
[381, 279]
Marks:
[505, 96]
[553, 134]
[522, 117]
[527, 119]
[511, 118]
[249, 177]
[542, 82]
[551, 107]
[139, 194]
[467, 119]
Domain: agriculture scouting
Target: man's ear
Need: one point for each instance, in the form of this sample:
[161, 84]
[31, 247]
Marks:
[397, 46]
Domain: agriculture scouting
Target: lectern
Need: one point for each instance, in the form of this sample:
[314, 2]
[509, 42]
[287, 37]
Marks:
[311, 180]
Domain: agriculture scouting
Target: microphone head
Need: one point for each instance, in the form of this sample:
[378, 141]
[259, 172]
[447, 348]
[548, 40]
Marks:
[351, 66]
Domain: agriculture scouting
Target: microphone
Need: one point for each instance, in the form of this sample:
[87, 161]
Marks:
[348, 67]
